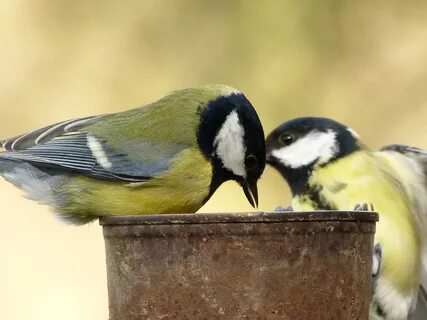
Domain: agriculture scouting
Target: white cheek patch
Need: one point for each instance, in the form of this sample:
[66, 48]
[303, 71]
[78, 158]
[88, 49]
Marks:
[230, 146]
[98, 152]
[320, 146]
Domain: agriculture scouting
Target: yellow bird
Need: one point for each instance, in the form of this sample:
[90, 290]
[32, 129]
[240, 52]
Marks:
[167, 157]
[328, 168]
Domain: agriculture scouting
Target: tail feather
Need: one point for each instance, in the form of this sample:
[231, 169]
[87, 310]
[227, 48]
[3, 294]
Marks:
[42, 187]
[37, 185]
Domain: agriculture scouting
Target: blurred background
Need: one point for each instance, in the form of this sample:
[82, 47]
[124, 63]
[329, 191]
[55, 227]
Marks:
[363, 63]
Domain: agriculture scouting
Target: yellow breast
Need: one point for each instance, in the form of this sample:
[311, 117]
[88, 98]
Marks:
[182, 189]
[365, 177]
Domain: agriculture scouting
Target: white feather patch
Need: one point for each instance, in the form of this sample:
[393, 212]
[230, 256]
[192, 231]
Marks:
[395, 304]
[98, 152]
[230, 146]
[375, 265]
[316, 145]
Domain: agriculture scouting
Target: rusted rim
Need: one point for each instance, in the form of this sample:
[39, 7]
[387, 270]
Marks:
[239, 217]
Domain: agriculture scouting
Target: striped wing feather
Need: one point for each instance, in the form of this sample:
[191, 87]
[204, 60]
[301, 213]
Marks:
[62, 147]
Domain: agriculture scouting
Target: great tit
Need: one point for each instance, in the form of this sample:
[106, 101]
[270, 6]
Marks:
[166, 157]
[328, 168]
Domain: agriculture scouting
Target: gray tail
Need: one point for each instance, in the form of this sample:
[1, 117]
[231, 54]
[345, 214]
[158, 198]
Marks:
[37, 185]
[41, 187]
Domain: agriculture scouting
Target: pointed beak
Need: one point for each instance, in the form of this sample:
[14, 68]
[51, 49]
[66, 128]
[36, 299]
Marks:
[251, 192]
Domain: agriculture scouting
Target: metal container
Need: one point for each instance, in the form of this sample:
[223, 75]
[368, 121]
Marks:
[296, 265]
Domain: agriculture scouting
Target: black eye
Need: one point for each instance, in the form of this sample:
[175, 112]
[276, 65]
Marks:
[287, 138]
[251, 161]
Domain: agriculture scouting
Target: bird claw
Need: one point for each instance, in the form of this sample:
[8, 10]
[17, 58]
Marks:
[281, 209]
[364, 207]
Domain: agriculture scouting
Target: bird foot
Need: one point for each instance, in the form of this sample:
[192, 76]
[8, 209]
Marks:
[364, 207]
[282, 209]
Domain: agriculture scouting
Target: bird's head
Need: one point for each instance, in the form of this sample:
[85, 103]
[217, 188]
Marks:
[231, 136]
[300, 145]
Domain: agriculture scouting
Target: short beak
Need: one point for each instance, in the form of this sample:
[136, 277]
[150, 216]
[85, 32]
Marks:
[251, 192]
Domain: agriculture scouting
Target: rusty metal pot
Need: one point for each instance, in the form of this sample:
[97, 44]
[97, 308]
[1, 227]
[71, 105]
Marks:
[293, 265]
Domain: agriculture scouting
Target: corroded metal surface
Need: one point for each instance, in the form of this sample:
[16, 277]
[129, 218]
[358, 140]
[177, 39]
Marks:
[293, 266]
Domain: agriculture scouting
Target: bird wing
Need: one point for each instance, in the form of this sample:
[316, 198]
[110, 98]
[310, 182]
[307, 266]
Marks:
[412, 152]
[420, 157]
[45, 134]
[415, 161]
[71, 146]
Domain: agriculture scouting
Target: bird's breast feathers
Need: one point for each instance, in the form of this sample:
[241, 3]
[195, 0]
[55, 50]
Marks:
[366, 177]
[181, 189]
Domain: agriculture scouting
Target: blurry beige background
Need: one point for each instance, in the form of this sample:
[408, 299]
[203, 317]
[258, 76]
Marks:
[362, 63]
